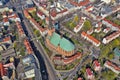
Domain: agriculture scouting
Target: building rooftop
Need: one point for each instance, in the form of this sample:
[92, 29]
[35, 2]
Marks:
[65, 44]
[117, 51]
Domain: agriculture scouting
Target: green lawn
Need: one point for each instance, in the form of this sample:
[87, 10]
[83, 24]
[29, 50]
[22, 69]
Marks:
[108, 75]
[108, 48]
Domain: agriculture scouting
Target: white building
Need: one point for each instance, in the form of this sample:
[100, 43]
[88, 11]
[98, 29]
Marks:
[90, 39]
[111, 37]
[41, 15]
[112, 66]
[80, 25]
[110, 24]
[106, 1]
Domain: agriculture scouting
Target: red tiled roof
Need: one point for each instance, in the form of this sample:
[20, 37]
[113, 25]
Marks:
[20, 29]
[31, 9]
[53, 13]
[80, 79]
[84, 33]
[40, 13]
[2, 70]
[110, 22]
[7, 39]
[93, 39]
[82, 3]
[113, 65]
[90, 37]
[96, 63]
[112, 35]
[5, 20]
[38, 26]
[63, 11]
[42, 29]
[69, 59]
[89, 72]
[26, 13]
[28, 46]
[72, 58]
[89, 7]
[35, 23]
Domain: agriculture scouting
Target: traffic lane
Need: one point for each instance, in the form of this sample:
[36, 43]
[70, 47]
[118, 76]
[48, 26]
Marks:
[51, 74]
[43, 69]
[48, 65]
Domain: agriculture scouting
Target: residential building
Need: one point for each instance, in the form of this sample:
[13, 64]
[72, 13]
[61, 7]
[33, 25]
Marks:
[98, 29]
[26, 14]
[7, 40]
[106, 1]
[43, 31]
[81, 3]
[90, 31]
[96, 65]
[2, 70]
[6, 22]
[90, 39]
[41, 15]
[80, 78]
[4, 15]
[115, 68]
[110, 24]
[89, 74]
[6, 54]
[106, 30]
[80, 25]
[31, 67]
[32, 9]
[99, 24]
[20, 29]
[67, 60]
[59, 43]
[14, 17]
[111, 37]
[28, 46]
[117, 52]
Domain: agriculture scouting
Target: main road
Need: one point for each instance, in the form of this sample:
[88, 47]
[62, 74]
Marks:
[52, 74]
[51, 71]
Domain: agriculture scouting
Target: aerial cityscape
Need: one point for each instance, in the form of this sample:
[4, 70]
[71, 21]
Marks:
[59, 39]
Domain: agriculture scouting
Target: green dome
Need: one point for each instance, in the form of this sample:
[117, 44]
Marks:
[65, 44]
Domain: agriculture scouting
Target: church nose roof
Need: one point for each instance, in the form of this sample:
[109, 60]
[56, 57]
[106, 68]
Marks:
[65, 44]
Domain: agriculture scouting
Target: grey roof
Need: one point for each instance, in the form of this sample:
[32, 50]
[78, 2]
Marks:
[28, 59]
[106, 9]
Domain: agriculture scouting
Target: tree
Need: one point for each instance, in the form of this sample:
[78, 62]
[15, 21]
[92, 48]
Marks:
[117, 22]
[109, 17]
[37, 33]
[15, 44]
[87, 25]
[104, 51]
[75, 18]
[111, 55]
[115, 43]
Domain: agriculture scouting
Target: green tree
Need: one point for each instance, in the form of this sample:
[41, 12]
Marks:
[109, 17]
[104, 51]
[75, 18]
[37, 33]
[117, 22]
[111, 55]
[15, 44]
[87, 25]
[115, 43]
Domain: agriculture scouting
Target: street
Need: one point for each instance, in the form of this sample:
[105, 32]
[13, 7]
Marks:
[50, 69]
[47, 70]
